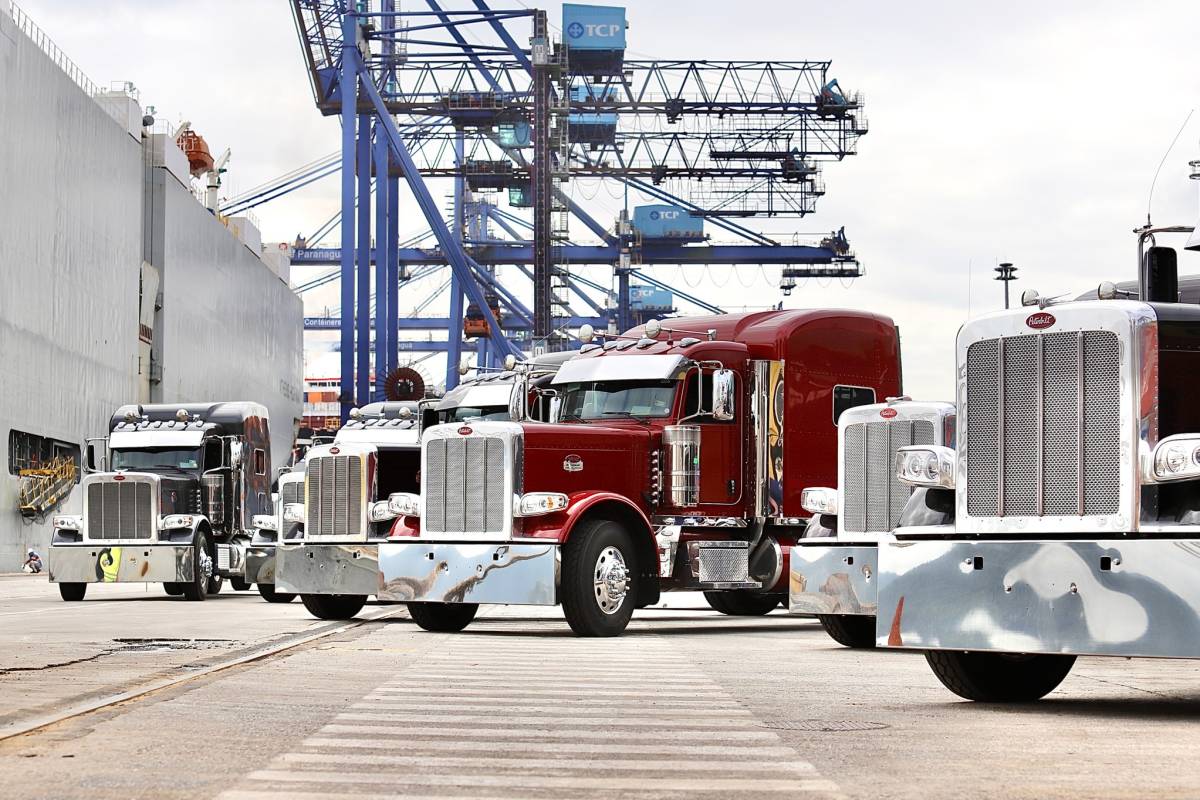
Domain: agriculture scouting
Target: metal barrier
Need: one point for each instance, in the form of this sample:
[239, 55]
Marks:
[47, 46]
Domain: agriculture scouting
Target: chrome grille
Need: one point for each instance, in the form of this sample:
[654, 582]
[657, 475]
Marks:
[873, 497]
[333, 506]
[291, 492]
[120, 510]
[464, 485]
[1042, 425]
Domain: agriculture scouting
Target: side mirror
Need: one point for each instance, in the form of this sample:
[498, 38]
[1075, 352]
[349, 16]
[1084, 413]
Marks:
[429, 417]
[89, 464]
[235, 453]
[724, 386]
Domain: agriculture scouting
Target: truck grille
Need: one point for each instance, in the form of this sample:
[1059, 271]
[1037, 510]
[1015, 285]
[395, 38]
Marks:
[1042, 425]
[120, 510]
[464, 486]
[291, 492]
[873, 496]
[334, 503]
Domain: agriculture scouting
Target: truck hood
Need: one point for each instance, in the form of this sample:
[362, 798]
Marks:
[572, 458]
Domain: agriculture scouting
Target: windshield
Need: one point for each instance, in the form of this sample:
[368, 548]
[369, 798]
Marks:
[614, 399]
[187, 458]
[464, 413]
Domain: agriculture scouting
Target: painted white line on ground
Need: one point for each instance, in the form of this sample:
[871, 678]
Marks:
[667, 765]
[500, 691]
[637, 748]
[675, 720]
[591, 708]
[407, 732]
[603, 782]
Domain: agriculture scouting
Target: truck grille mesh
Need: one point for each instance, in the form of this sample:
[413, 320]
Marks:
[291, 492]
[874, 497]
[1042, 425]
[464, 485]
[334, 505]
[120, 510]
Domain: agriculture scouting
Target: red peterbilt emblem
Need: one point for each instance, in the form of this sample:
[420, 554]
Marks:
[466, 431]
[887, 413]
[1040, 321]
[335, 450]
[118, 477]
[573, 463]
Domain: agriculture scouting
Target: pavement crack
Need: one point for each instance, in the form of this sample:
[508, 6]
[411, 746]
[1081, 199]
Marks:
[72, 662]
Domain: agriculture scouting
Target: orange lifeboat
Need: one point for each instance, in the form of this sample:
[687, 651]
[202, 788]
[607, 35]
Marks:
[200, 159]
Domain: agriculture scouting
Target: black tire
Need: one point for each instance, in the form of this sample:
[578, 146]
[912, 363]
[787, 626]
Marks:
[443, 617]
[850, 630]
[268, 593]
[334, 606]
[173, 589]
[196, 589]
[999, 677]
[239, 585]
[72, 592]
[597, 547]
[742, 602]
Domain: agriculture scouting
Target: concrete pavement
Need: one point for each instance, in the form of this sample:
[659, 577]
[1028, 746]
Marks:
[687, 704]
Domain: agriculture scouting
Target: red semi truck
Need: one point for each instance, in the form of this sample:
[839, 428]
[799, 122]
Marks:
[676, 463]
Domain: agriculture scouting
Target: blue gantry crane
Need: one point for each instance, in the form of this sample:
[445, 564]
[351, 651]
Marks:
[498, 101]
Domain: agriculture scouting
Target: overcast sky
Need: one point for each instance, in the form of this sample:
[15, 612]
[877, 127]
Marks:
[1019, 131]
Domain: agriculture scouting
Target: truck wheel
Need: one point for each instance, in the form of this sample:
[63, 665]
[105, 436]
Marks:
[173, 589]
[851, 630]
[999, 677]
[599, 568]
[268, 593]
[239, 585]
[334, 606]
[742, 602]
[72, 592]
[215, 583]
[197, 588]
[443, 617]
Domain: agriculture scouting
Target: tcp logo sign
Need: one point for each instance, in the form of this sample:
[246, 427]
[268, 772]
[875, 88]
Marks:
[664, 215]
[577, 29]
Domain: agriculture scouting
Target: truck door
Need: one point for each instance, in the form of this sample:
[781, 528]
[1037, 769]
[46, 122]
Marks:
[721, 457]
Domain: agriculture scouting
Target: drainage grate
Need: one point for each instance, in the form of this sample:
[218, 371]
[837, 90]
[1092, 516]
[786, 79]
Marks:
[826, 725]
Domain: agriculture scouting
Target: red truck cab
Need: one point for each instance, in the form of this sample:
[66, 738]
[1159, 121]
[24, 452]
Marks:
[676, 463]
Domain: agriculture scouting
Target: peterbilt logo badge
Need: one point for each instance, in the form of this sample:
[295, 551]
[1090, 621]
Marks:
[465, 431]
[573, 463]
[335, 450]
[1040, 321]
[887, 413]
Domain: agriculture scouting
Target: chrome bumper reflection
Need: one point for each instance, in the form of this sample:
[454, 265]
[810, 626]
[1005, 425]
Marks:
[517, 574]
[832, 579]
[327, 568]
[1115, 597]
[140, 563]
[260, 563]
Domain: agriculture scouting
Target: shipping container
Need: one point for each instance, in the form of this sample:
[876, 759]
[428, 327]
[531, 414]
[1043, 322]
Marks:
[667, 222]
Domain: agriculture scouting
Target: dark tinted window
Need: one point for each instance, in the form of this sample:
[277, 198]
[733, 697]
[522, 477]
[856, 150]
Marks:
[30, 451]
[845, 397]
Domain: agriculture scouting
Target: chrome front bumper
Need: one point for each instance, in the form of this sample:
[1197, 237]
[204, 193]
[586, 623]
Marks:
[515, 574]
[132, 563]
[833, 579]
[1115, 597]
[327, 568]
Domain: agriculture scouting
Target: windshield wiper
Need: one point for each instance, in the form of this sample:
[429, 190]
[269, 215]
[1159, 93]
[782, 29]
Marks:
[572, 418]
[626, 415]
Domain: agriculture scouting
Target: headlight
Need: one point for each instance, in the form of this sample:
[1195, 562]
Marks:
[930, 466]
[403, 504]
[175, 521]
[68, 522]
[1176, 458]
[381, 511]
[293, 512]
[819, 501]
[537, 503]
[264, 522]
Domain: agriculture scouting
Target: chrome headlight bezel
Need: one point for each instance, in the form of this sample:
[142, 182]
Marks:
[404, 504]
[174, 522]
[293, 512]
[67, 522]
[927, 466]
[264, 522]
[819, 500]
[381, 511]
[1175, 458]
[535, 504]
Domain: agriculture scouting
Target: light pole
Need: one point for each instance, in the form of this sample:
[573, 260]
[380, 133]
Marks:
[1007, 274]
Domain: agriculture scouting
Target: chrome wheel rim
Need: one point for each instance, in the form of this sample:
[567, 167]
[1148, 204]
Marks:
[611, 580]
[206, 564]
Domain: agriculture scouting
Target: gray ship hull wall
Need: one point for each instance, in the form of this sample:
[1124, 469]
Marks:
[75, 191]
